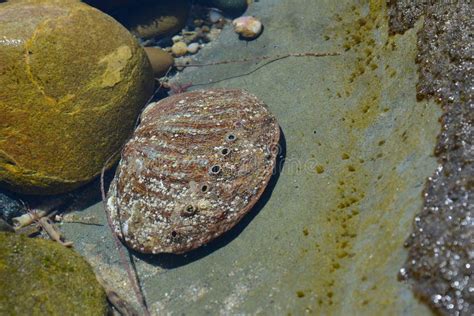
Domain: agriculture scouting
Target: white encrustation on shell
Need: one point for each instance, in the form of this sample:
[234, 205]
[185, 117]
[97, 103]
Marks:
[247, 26]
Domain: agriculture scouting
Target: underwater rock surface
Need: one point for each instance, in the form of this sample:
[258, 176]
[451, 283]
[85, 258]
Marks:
[41, 277]
[72, 82]
[109, 6]
[232, 7]
[440, 263]
[359, 148]
[156, 18]
[160, 60]
[195, 166]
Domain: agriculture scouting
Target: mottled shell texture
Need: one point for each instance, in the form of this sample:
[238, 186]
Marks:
[194, 167]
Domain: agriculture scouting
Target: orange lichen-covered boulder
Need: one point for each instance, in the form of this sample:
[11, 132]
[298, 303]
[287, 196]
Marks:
[72, 82]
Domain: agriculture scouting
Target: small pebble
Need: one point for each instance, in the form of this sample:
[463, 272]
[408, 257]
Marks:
[220, 24]
[247, 26]
[193, 48]
[198, 22]
[177, 38]
[160, 60]
[230, 7]
[181, 62]
[213, 34]
[215, 16]
[179, 49]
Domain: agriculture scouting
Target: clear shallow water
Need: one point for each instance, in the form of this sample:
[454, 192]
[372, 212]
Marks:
[329, 236]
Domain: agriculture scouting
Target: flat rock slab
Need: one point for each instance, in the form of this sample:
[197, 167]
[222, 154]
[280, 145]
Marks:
[329, 239]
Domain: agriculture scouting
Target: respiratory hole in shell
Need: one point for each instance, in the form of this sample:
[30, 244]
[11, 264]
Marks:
[230, 137]
[215, 170]
[225, 151]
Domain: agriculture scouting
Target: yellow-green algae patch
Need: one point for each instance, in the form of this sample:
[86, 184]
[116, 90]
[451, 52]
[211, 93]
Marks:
[362, 226]
[116, 62]
[41, 277]
[72, 82]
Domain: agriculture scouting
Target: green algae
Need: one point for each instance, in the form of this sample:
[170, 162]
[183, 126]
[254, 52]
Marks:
[41, 277]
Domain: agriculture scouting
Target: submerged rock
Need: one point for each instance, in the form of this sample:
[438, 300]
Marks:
[197, 163]
[247, 27]
[232, 7]
[109, 6]
[10, 207]
[160, 60]
[193, 48]
[156, 18]
[72, 82]
[41, 277]
[179, 49]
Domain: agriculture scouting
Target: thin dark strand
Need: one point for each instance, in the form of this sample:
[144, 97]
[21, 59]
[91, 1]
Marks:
[132, 276]
[131, 272]
[240, 75]
[275, 57]
[84, 223]
[151, 98]
[132, 260]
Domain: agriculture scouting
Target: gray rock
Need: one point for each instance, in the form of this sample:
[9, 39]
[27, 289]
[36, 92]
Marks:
[231, 7]
[5, 227]
[10, 207]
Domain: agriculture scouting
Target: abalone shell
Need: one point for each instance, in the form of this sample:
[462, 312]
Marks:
[195, 165]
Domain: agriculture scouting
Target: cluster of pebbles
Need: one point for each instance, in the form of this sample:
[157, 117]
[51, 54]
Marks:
[203, 26]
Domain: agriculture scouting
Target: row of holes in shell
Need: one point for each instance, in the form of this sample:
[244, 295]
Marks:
[216, 169]
[190, 210]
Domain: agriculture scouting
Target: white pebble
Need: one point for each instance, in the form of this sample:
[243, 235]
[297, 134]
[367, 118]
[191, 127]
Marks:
[193, 48]
[247, 27]
[215, 16]
[179, 49]
[177, 38]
